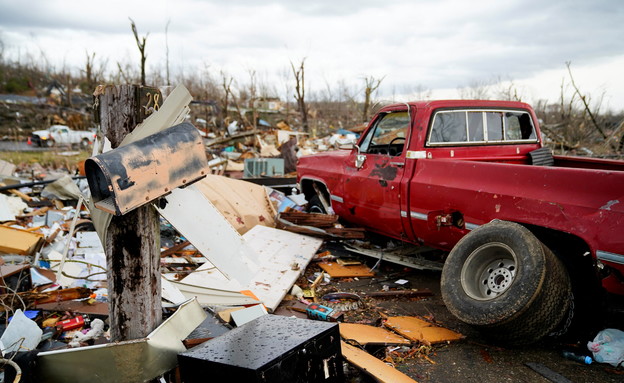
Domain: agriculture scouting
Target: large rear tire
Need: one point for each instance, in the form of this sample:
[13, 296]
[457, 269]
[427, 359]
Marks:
[503, 280]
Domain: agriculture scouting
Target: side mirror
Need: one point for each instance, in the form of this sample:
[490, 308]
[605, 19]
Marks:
[360, 158]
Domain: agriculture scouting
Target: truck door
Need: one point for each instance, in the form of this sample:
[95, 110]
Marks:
[374, 172]
[62, 136]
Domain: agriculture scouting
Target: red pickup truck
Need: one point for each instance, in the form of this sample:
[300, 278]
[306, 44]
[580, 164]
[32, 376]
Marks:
[527, 232]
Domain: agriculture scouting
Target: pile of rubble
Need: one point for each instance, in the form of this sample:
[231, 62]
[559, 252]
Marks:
[55, 298]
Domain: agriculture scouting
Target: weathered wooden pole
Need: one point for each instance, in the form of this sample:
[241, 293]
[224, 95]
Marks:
[133, 240]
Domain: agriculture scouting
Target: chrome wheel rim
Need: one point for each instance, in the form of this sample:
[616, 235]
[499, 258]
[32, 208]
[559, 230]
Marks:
[489, 271]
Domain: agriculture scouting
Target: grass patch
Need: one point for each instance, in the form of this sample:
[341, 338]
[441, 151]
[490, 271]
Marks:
[47, 159]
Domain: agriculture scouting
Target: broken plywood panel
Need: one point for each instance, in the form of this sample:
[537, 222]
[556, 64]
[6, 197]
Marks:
[422, 331]
[382, 372]
[365, 334]
[210, 296]
[282, 255]
[17, 241]
[336, 270]
[197, 219]
[243, 204]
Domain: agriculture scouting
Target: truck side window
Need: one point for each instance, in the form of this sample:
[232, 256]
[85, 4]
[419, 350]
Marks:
[494, 126]
[449, 127]
[388, 135]
[457, 127]
[518, 126]
[475, 126]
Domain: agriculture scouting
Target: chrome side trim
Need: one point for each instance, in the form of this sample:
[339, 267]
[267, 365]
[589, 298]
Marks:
[420, 216]
[336, 198]
[471, 226]
[611, 257]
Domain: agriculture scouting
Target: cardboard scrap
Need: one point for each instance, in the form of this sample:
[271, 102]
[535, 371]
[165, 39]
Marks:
[336, 270]
[365, 334]
[18, 241]
[379, 370]
[422, 331]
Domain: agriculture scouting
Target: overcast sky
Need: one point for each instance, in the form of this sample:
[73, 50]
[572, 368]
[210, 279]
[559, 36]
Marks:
[440, 45]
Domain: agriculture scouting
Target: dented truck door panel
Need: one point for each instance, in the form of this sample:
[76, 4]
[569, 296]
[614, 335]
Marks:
[373, 174]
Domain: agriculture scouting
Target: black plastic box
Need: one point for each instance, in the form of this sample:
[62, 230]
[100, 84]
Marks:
[271, 349]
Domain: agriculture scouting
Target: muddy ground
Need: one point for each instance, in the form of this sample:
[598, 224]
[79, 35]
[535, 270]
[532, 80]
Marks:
[474, 359]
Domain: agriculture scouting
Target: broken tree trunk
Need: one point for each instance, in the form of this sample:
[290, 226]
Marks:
[132, 240]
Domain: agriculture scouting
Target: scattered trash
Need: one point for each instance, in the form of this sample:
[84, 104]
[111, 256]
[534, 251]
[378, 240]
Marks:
[577, 358]
[608, 347]
[320, 312]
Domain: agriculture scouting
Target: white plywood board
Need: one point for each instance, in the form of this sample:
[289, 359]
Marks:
[197, 219]
[283, 256]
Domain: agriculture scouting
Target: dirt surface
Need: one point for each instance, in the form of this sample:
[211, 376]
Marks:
[476, 358]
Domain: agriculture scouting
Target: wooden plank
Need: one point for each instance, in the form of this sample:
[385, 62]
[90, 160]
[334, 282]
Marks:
[336, 270]
[422, 331]
[307, 219]
[382, 372]
[17, 241]
[365, 334]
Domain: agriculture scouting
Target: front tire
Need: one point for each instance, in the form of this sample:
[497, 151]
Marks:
[503, 280]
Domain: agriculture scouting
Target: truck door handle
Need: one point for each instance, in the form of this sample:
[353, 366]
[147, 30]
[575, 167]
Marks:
[398, 164]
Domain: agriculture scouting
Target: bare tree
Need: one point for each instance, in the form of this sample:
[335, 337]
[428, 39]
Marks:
[253, 96]
[476, 90]
[371, 85]
[167, 50]
[141, 45]
[299, 74]
[227, 92]
[585, 103]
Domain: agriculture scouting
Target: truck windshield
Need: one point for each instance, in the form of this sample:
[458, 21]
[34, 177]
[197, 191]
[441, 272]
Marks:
[388, 135]
[459, 127]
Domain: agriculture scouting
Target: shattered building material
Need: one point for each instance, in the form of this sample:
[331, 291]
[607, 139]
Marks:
[364, 335]
[373, 366]
[419, 330]
[282, 257]
[271, 348]
[128, 361]
[336, 270]
[22, 334]
[406, 255]
[10, 207]
[243, 204]
[19, 241]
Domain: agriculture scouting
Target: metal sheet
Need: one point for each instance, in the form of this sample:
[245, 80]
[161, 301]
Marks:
[131, 361]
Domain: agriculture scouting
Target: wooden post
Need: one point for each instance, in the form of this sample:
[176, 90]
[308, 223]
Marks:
[132, 240]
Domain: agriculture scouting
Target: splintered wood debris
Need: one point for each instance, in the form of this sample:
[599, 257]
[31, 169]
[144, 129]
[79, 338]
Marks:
[336, 270]
[378, 369]
[365, 335]
[421, 331]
